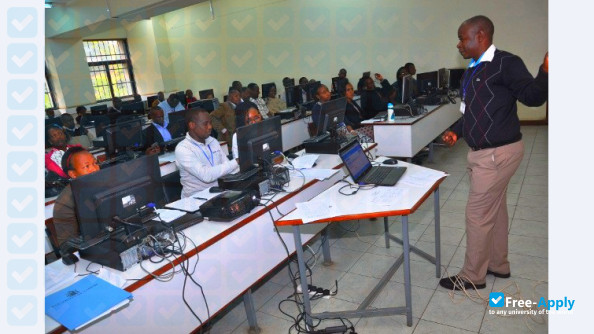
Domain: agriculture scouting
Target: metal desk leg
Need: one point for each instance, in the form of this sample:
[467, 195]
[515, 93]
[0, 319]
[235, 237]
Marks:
[302, 275]
[437, 234]
[387, 232]
[250, 310]
[326, 247]
[431, 149]
[407, 288]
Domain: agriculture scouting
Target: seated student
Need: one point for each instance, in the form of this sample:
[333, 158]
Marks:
[373, 99]
[223, 118]
[341, 82]
[397, 85]
[257, 100]
[245, 94]
[190, 97]
[57, 141]
[237, 85]
[246, 113]
[116, 106]
[160, 98]
[70, 127]
[157, 132]
[199, 156]
[273, 103]
[361, 82]
[81, 112]
[322, 95]
[172, 104]
[304, 94]
[353, 116]
[76, 162]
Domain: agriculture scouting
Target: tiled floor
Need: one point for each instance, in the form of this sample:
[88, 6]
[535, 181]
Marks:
[360, 259]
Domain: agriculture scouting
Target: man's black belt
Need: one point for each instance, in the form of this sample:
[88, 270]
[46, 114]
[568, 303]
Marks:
[478, 148]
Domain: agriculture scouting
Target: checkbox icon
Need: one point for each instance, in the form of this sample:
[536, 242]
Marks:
[22, 94]
[22, 58]
[21, 274]
[21, 131]
[22, 166]
[22, 202]
[21, 310]
[21, 22]
[21, 238]
[496, 299]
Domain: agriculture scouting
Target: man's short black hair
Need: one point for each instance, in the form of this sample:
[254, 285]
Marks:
[192, 114]
[252, 86]
[483, 23]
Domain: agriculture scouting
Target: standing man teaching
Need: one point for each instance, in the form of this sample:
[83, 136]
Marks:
[492, 84]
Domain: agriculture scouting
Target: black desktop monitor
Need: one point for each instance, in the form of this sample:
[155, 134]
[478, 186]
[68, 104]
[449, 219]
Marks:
[177, 124]
[455, 78]
[266, 89]
[259, 141]
[407, 89]
[427, 82]
[293, 96]
[311, 88]
[335, 84]
[124, 135]
[150, 100]
[203, 94]
[443, 78]
[181, 96]
[119, 190]
[99, 122]
[331, 114]
[100, 109]
[133, 107]
[208, 105]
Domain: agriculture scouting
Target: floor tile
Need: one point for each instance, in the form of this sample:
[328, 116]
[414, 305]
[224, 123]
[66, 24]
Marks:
[529, 228]
[532, 246]
[372, 265]
[463, 314]
[430, 327]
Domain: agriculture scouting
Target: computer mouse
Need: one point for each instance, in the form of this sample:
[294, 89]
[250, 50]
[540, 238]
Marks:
[69, 259]
[216, 190]
[390, 162]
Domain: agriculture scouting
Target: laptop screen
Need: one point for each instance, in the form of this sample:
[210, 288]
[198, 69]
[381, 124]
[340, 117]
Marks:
[355, 160]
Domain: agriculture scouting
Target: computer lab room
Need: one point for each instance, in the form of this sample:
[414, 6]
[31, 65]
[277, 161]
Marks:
[285, 166]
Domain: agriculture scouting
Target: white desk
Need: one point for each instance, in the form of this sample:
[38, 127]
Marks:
[406, 136]
[415, 186]
[233, 257]
[294, 132]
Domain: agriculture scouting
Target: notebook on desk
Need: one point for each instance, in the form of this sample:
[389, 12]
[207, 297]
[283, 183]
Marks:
[361, 170]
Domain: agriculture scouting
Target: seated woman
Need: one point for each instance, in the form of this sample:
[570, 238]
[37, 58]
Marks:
[322, 95]
[246, 113]
[353, 116]
[57, 141]
[190, 97]
[273, 103]
[373, 100]
[75, 162]
[397, 85]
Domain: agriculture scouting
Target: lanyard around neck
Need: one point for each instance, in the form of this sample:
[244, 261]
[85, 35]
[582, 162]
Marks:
[211, 160]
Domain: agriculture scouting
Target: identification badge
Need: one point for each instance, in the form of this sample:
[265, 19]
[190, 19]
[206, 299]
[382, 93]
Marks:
[462, 107]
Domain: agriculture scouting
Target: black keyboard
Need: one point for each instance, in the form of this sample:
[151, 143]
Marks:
[185, 221]
[384, 175]
[241, 175]
[317, 139]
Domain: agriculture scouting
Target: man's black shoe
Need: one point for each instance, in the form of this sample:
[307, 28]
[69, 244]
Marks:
[455, 282]
[489, 272]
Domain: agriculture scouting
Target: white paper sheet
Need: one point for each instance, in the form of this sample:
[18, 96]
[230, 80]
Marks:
[305, 161]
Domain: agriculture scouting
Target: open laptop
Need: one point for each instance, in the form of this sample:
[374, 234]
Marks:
[360, 168]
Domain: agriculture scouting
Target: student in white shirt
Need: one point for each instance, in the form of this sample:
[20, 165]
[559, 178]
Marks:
[170, 105]
[199, 157]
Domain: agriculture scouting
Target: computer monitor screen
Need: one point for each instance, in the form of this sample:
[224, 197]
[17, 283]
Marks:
[293, 96]
[442, 75]
[206, 94]
[119, 190]
[455, 78]
[177, 124]
[208, 105]
[266, 89]
[100, 109]
[124, 135]
[151, 99]
[133, 108]
[427, 82]
[331, 114]
[407, 89]
[99, 122]
[311, 89]
[181, 96]
[257, 142]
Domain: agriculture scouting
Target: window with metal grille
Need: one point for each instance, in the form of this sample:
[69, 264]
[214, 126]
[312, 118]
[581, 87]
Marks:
[49, 98]
[111, 69]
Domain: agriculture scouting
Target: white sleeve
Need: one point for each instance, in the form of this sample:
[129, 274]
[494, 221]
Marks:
[201, 168]
[234, 147]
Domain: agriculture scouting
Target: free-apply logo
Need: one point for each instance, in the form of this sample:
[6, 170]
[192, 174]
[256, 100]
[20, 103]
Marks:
[496, 299]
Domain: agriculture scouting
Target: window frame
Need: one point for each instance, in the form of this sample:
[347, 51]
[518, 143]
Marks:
[105, 64]
[50, 92]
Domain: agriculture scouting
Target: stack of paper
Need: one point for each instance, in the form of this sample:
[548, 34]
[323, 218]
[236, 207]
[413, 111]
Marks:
[85, 301]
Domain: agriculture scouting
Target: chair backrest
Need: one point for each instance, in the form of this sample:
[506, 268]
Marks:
[172, 186]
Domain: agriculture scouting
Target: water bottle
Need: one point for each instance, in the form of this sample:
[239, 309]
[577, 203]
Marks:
[341, 130]
[390, 112]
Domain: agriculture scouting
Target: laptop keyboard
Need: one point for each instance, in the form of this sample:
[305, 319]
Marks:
[383, 175]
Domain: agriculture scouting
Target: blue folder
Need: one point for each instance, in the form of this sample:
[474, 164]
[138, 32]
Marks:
[84, 301]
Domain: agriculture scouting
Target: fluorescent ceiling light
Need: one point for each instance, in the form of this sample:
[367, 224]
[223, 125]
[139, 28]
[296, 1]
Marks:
[48, 5]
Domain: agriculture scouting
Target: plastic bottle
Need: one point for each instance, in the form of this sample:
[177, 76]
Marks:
[341, 130]
[390, 112]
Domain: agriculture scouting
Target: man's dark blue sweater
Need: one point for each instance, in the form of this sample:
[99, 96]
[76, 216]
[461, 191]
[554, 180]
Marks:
[492, 89]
